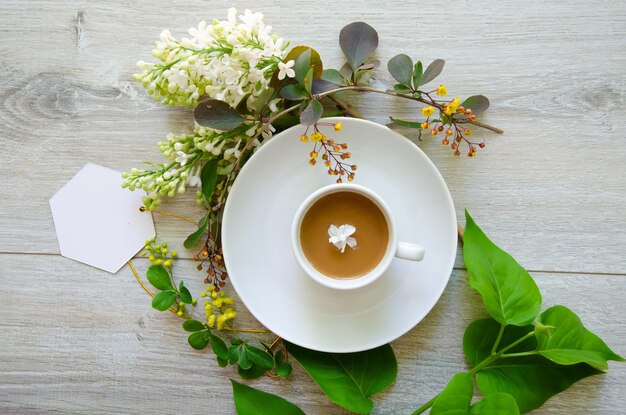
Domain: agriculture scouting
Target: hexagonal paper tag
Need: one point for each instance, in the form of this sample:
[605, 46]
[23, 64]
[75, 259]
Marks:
[98, 222]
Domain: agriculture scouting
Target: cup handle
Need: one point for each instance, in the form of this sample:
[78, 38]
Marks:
[411, 252]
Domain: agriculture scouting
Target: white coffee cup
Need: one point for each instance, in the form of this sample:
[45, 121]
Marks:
[402, 250]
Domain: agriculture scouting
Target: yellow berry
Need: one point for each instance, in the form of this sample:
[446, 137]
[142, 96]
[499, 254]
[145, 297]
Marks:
[194, 301]
[203, 294]
[316, 136]
[151, 258]
[304, 138]
[174, 254]
[168, 263]
[442, 90]
[425, 126]
[214, 295]
[180, 314]
[433, 131]
[313, 154]
[338, 126]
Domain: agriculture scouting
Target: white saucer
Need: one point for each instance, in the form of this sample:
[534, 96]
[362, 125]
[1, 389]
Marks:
[256, 231]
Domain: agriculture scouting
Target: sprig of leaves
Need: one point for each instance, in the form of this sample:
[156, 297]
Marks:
[520, 358]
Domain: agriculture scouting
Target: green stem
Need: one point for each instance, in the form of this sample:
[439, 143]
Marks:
[424, 407]
[520, 354]
[376, 91]
[497, 342]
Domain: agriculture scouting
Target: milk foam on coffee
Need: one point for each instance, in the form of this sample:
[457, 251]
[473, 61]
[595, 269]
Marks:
[340, 236]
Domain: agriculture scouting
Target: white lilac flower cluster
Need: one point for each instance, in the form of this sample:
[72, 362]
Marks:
[227, 60]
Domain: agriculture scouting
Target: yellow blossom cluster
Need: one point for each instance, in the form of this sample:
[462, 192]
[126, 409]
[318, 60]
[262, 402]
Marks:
[217, 308]
[451, 107]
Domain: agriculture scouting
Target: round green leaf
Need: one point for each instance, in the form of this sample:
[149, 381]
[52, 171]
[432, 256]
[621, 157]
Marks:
[401, 68]
[253, 372]
[333, 76]
[163, 300]
[478, 103]
[159, 277]
[197, 340]
[216, 114]
[284, 370]
[260, 358]
[193, 326]
[312, 113]
[219, 347]
[358, 41]
[294, 92]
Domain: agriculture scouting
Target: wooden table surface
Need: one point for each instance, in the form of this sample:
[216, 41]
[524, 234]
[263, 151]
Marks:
[551, 190]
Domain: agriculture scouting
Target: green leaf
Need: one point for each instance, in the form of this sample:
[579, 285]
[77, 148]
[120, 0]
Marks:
[163, 300]
[193, 326]
[294, 92]
[401, 68]
[478, 104]
[219, 347]
[346, 71]
[531, 380]
[252, 372]
[284, 370]
[314, 59]
[495, 404]
[408, 124]
[198, 340]
[570, 342]
[456, 397]
[196, 235]
[358, 41]
[242, 107]
[216, 114]
[250, 401]
[349, 379]
[480, 336]
[263, 99]
[244, 360]
[312, 113]
[509, 293]
[333, 76]
[432, 71]
[208, 177]
[159, 277]
[302, 65]
[259, 357]
[222, 362]
[417, 74]
[308, 81]
[185, 295]
[233, 354]
[320, 86]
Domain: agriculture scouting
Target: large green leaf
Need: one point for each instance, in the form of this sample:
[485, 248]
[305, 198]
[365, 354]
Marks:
[509, 293]
[159, 277]
[530, 380]
[495, 404]
[250, 401]
[349, 379]
[358, 41]
[456, 397]
[480, 336]
[401, 68]
[216, 114]
[302, 65]
[569, 342]
[260, 357]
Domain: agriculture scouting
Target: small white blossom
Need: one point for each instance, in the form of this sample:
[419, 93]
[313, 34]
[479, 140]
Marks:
[182, 158]
[284, 69]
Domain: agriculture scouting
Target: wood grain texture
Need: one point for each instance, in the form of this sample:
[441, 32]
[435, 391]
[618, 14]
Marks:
[81, 340]
[551, 190]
